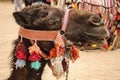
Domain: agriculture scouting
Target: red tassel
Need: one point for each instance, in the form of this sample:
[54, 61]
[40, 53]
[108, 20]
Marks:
[20, 51]
[21, 55]
[74, 52]
[34, 57]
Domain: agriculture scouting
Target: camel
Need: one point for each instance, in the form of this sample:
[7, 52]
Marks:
[31, 52]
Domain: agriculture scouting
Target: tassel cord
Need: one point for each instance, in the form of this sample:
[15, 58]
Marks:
[67, 69]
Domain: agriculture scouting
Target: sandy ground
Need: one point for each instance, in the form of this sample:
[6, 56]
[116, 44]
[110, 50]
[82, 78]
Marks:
[92, 65]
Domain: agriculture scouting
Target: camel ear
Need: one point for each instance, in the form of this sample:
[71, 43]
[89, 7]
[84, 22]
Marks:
[22, 19]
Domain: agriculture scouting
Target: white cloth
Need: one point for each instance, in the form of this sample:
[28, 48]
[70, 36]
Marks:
[36, 3]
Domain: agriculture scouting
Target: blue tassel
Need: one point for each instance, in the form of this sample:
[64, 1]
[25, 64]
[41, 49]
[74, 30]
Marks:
[20, 63]
[35, 65]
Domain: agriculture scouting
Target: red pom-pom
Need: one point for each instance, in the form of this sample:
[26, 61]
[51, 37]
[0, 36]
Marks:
[34, 57]
[105, 46]
[20, 55]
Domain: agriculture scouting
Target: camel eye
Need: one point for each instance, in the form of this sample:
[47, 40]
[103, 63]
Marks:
[43, 14]
[96, 20]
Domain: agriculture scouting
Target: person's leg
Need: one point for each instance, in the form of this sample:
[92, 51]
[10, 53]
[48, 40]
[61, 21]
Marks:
[16, 4]
[20, 4]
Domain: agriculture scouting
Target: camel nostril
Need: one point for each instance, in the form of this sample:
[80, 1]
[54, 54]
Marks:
[107, 37]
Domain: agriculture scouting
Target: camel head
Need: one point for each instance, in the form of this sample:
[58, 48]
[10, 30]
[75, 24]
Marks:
[83, 27]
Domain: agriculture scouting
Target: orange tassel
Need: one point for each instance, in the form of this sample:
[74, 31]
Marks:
[57, 51]
[53, 52]
[74, 52]
[35, 48]
[62, 50]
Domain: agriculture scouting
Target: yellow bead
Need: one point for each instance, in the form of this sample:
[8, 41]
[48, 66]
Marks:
[94, 45]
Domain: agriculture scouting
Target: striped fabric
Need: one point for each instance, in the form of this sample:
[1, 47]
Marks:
[105, 7]
[104, 3]
[107, 4]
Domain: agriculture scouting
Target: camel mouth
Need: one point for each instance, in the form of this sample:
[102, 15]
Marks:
[94, 39]
[97, 40]
[88, 40]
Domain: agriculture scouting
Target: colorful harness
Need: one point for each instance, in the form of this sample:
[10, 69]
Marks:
[57, 53]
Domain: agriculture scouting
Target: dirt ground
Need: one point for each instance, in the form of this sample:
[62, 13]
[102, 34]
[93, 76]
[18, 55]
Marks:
[92, 65]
